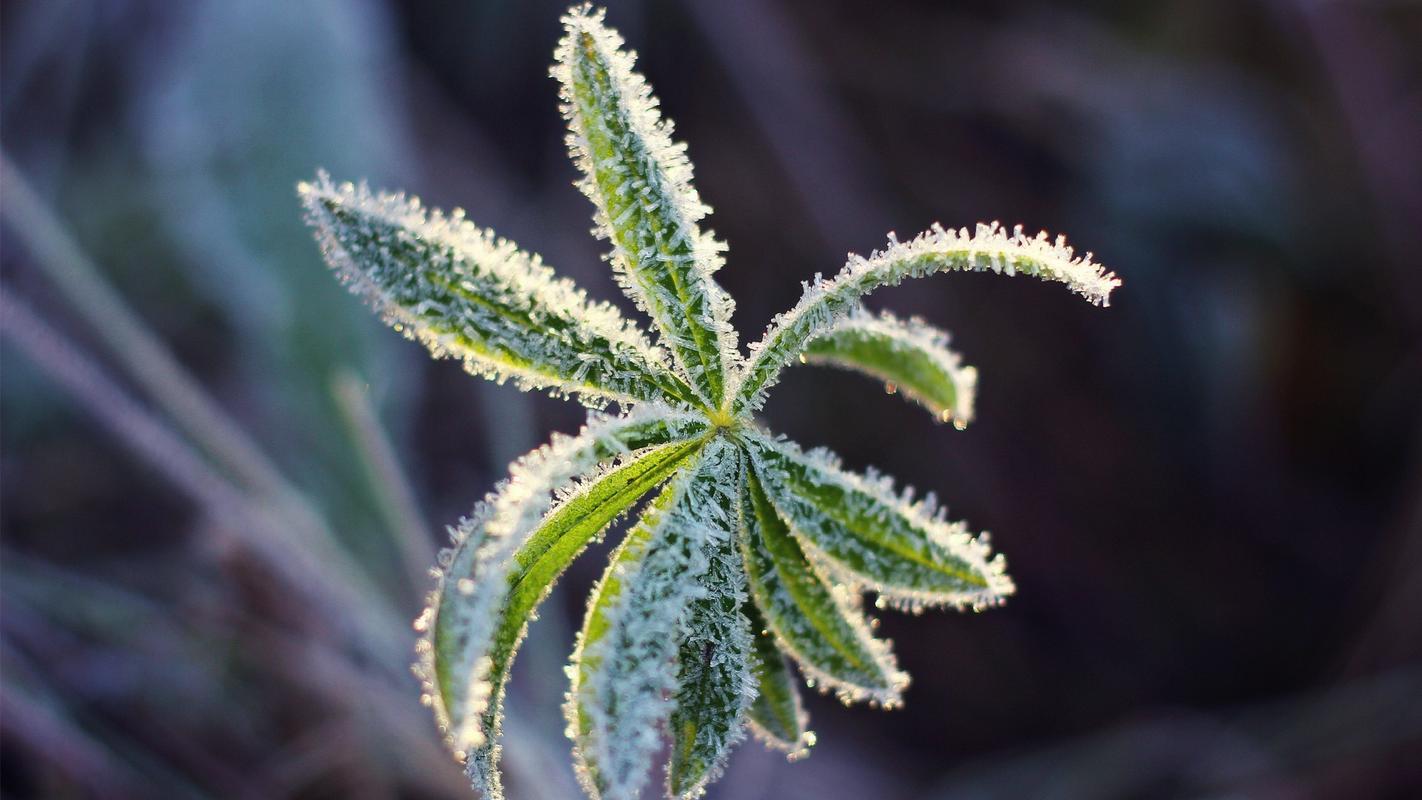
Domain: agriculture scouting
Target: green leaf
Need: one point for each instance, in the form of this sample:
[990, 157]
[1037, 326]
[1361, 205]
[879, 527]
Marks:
[777, 717]
[816, 624]
[864, 531]
[623, 671]
[715, 680]
[562, 537]
[463, 619]
[466, 294]
[641, 187]
[825, 302]
[910, 358]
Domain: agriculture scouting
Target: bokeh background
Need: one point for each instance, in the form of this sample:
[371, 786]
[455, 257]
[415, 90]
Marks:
[223, 480]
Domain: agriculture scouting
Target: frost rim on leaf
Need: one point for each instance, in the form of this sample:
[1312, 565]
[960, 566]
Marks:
[989, 247]
[911, 337]
[669, 238]
[483, 546]
[523, 274]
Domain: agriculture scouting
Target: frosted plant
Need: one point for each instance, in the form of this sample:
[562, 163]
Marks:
[750, 560]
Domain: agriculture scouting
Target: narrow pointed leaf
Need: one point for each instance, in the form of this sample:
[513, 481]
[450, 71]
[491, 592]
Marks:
[714, 676]
[909, 357]
[466, 294]
[623, 671]
[641, 187]
[558, 540]
[816, 623]
[463, 617]
[990, 247]
[863, 530]
[777, 717]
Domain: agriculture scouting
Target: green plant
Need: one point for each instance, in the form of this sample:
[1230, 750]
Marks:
[752, 550]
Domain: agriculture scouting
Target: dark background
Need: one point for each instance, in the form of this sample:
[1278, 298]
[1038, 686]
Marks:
[1209, 493]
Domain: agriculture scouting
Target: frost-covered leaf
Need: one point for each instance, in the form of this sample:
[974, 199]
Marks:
[776, 717]
[818, 624]
[990, 247]
[466, 294]
[754, 553]
[561, 537]
[909, 357]
[862, 529]
[714, 676]
[623, 671]
[463, 615]
[640, 183]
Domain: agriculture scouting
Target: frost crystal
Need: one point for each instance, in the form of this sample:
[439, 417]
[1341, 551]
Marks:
[750, 564]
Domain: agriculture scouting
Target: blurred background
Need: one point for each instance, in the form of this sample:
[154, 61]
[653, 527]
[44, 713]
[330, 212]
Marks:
[224, 480]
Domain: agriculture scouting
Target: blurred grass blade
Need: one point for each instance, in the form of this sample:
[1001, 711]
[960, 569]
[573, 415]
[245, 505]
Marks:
[394, 495]
[466, 294]
[130, 340]
[777, 716]
[990, 247]
[641, 186]
[623, 671]
[900, 547]
[816, 624]
[714, 675]
[911, 358]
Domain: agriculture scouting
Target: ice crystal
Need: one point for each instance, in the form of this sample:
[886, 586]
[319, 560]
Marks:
[751, 562]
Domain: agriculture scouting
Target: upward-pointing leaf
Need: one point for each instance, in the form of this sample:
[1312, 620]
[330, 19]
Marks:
[623, 671]
[466, 294]
[910, 357]
[990, 247]
[640, 184]
[463, 618]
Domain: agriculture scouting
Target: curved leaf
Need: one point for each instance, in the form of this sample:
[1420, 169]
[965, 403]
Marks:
[777, 717]
[623, 671]
[473, 581]
[901, 548]
[990, 247]
[817, 625]
[562, 537]
[910, 357]
[466, 294]
[646, 206]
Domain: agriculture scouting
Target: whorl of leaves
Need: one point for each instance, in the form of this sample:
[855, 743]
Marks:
[751, 561]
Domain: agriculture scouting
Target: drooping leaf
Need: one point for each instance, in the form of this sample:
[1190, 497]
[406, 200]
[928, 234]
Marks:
[560, 538]
[714, 676]
[466, 294]
[462, 616]
[777, 717]
[910, 357]
[818, 624]
[902, 548]
[990, 247]
[641, 186]
[623, 671]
